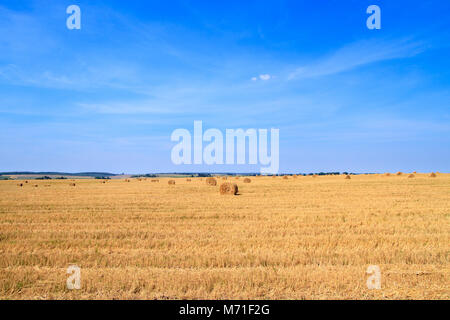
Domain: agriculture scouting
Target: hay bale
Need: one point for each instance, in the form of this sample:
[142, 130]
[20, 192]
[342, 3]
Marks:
[295, 176]
[35, 186]
[154, 180]
[247, 180]
[347, 177]
[211, 181]
[314, 176]
[20, 184]
[171, 182]
[224, 178]
[432, 175]
[228, 188]
[285, 177]
[72, 184]
[415, 172]
[26, 181]
[388, 174]
[399, 173]
[411, 176]
[237, 178]
[188, 180]
[274, 176]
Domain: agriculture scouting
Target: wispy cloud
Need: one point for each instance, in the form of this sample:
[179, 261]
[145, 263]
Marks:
[358, 54]
[143, 107]
[263, 77]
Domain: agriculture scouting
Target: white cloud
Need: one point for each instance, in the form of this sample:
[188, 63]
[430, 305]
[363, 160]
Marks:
[264, 76]
[254, 78]
[358, 54]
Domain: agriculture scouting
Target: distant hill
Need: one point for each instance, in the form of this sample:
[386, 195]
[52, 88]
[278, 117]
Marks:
[78, 174]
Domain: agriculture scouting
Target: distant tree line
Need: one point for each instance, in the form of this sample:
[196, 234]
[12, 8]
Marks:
[148, 175]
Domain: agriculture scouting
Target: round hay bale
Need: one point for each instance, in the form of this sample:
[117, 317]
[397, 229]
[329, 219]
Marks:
[26, 181]
[72, 184]
[247, 180]
[433, 175]
[103, 181]
[237, 178]
[224, 178]
[20, 184]
[415, 172]
[154, 180]
[411, 176]
[188, 180]
[399, 173]
[228, 188]
[388, 174]
[274, 176]
[211, 181]
[171, 182]
[347, 177]
[285, 177]
[314, 176]
[295, 176]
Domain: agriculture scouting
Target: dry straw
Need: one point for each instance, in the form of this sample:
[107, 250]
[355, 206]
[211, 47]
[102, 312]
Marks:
[228, 188]
[171, 182]
[347, 177]
[247, 180]
[399, 173]
[211, 181]
[388, 174]
[433, 175]
[285, 177]
[411, 176]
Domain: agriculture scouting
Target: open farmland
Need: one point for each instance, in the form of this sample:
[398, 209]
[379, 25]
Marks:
[296, 238]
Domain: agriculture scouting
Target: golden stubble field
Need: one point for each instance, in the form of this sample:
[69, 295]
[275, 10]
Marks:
[300, 238]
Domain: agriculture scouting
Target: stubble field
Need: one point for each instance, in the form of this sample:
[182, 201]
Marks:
[300, 238]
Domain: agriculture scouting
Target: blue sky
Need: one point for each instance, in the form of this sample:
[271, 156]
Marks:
[107, 97]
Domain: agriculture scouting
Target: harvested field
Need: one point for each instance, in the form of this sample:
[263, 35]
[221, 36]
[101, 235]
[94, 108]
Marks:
[301, 239]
